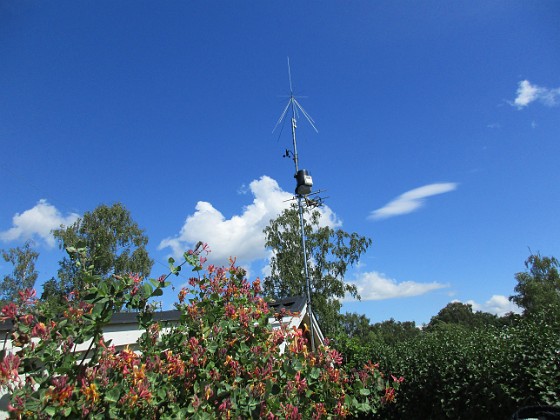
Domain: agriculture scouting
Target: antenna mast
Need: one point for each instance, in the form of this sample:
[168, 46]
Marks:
[294, 121]
[303, 188]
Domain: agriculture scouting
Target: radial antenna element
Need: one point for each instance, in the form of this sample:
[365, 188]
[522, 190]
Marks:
[304, 184]
[296, 108]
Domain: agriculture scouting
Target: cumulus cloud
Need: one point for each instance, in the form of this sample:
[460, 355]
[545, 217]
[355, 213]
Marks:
[497, 304]
[37, 222]
[527, 93]
[240, 236]
[377, 286]
[411, 200]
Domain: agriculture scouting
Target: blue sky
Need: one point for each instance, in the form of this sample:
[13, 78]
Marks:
[438, 133]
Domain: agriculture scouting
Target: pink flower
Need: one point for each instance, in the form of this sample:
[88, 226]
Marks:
[40, 330]
[27, 295]
[9, 311]
[225, 405]
[336, 357]
[291, 412]
[182, 295]
[27, 319]
[9, 368]
[135, 278]
[389, 395]
[319, 411]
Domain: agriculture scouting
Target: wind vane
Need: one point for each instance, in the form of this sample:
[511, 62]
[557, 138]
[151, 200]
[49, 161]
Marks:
[304, 183]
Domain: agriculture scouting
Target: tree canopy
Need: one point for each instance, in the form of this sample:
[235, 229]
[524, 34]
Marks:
[114, 242]
[539, 286]
[459, 313]
[329, 254]
[24, 273]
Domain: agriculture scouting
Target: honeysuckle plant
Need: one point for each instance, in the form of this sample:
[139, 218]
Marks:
[222, 359]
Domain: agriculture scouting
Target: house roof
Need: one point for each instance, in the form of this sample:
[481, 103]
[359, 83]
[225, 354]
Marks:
[293, 304]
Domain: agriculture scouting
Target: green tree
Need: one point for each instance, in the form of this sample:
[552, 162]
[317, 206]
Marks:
[23, 275]
[329, 254]
[391, 332]
[355, 325]
[114, 244]
[462, 314]
[539, 286]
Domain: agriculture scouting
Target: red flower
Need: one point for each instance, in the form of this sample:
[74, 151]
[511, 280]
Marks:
[319, 411]
[182, 295]
[389, 395]
[399, 380]
[135, 278]
[27, 295]
[9, 311]
[27, 319]
[9, 368]
[40, 330]
[291, 412]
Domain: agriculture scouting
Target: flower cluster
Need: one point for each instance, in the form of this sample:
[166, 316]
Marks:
[223, 360]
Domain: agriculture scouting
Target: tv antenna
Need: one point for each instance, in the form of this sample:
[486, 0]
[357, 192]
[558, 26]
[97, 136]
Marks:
[304, 183]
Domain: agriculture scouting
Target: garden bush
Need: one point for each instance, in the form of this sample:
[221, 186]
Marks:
[461, 373]
[221, 360]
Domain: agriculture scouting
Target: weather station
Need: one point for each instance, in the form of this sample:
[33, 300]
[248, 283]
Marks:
[304, 187]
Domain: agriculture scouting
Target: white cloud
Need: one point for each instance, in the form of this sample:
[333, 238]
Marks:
[38, 221]
[376, 286]
[411, 200]
[242, 235]
[497, 304]
[527, 93]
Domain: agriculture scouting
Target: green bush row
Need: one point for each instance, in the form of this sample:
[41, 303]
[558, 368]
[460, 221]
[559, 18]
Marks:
[461, 373]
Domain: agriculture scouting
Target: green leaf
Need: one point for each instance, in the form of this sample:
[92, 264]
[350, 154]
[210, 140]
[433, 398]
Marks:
[315, 373]
[147, 289]
[113, 394]
[50, 410]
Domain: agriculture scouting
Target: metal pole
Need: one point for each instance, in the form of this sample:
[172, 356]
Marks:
[307, 279]
[302, 229]
[294, 126]
[293, 103]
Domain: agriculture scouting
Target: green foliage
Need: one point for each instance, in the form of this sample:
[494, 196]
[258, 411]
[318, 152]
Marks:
[539, 287]
[462, 314]
[355, 325]
[360, 341]
[221, 360]
[329, 254]
[393, 332]
[113, 242]
[467, 364]
[464, 373]
[23, 275]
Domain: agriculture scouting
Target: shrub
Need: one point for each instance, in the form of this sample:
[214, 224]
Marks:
[463, 373]
[222, 360]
